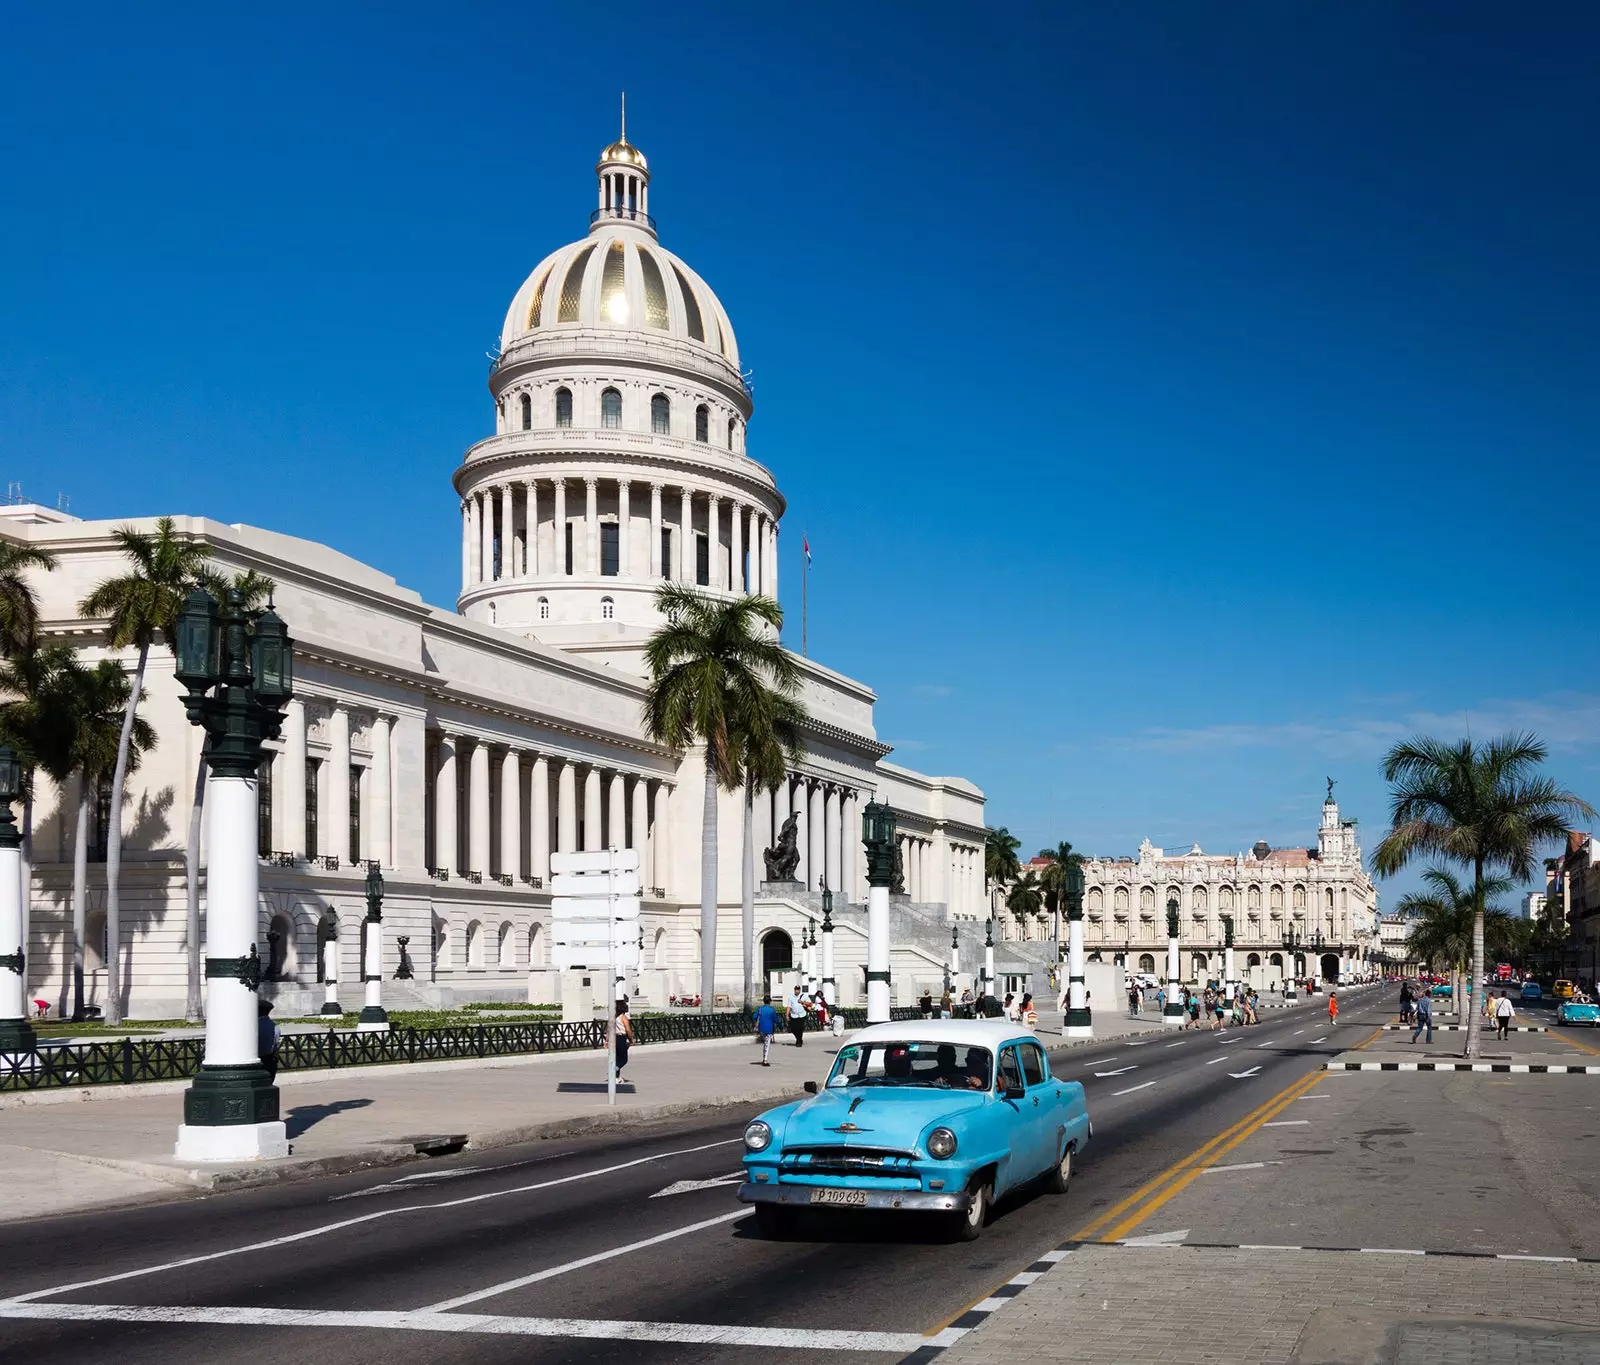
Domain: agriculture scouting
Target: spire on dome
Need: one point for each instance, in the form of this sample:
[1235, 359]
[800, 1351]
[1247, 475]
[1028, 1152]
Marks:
[624, 183]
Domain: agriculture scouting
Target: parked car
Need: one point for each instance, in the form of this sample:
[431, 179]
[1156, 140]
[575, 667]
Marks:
[1563, 990]
[926, 1116]
[1531, 990]
[1578, 1012]
[1443, 988]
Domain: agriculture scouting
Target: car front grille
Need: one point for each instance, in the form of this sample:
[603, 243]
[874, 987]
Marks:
[841, 1160]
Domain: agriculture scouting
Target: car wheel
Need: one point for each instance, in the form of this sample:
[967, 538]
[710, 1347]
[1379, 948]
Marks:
[1061, 1173]
[774, 1221]
[969, 1225]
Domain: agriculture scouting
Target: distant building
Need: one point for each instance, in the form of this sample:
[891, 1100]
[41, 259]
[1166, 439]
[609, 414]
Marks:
[1572, 886]
[1394, 938]
[1533, 906]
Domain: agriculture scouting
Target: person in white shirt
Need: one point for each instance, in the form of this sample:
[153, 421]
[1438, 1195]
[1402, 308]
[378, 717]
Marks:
[1504, 1012]
[797, 1017]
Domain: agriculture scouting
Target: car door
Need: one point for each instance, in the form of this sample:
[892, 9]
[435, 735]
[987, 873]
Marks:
[1021, 1129]
[1043, 1108]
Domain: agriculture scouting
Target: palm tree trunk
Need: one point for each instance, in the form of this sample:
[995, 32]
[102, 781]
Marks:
[113, 1014]
[747, 898]
[191, 1007]
[80, 889]
[1477, 959]
[708, 885]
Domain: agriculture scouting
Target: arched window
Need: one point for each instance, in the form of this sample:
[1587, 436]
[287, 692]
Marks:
[608, 608]
[702, 424]
[563, 407]
[544, 608]
[1147, 962]
[732, 423]
[610, 408]
[536, 947]
[660, 415]
[527, 413]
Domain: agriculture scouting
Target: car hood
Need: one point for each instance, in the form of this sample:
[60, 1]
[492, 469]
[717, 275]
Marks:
[874, 1116]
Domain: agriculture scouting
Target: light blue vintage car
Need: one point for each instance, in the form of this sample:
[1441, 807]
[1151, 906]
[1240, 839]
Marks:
[928, 1116]
[1578, 1012]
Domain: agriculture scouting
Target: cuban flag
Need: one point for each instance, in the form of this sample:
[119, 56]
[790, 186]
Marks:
[805, 544]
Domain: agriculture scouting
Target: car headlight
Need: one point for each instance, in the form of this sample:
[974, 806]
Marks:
[941, 1143]
[757, 1137]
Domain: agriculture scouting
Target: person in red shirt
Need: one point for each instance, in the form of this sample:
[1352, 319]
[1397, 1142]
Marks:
[1333, 1008]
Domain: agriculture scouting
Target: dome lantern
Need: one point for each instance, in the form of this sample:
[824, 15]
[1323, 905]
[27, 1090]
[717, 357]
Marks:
[624, 184]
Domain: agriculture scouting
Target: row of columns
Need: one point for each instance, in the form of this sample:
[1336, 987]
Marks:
[496, 543]
[621, 809]
[333, 822]
[828, 814]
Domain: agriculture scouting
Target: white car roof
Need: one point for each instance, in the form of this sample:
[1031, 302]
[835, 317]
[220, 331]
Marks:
[990, 1033]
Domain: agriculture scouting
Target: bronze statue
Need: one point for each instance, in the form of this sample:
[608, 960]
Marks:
[1330, 789]
[404, 971]
[277, 955]
[898, 886]
[783, 860]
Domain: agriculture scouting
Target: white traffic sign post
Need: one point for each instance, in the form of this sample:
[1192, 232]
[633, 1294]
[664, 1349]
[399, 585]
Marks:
[595, 914]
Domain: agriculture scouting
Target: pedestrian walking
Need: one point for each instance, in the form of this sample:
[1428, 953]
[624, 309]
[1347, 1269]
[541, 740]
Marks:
[1333, 1007]
[1193, 1002]
[797, 1018]
[1133, 1000]
[267, 1039]
[1026, 1013]
[1010, 1007]
[926, 1004]
[1424, 1018]
[1503, 1013]
[945, 1006]
[766, 1026]
[624, 1035]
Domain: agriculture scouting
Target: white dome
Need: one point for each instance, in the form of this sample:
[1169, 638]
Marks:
[618, 279]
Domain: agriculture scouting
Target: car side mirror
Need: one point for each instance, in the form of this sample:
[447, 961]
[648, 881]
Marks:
[810, 1087]
[1015, 1092]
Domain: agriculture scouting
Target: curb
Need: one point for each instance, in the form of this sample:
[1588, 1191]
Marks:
[1462, 1028]
[1514, 1068]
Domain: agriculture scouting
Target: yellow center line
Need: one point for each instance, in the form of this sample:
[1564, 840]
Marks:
[1573, 1042]
[1377, 1033]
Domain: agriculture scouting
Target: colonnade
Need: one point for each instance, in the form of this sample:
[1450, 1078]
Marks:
[595, 807]
[828, 816]
[496, 543]
[320, 807]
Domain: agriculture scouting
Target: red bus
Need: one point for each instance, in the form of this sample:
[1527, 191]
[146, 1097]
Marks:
[1503, 972]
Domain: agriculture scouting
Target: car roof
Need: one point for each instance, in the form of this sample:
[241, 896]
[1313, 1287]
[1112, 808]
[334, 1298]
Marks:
[990, 1033]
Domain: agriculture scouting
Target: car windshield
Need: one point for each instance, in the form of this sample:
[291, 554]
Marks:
[912, 1062]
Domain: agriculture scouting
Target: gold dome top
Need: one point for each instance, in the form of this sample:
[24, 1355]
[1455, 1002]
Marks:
[624, 151]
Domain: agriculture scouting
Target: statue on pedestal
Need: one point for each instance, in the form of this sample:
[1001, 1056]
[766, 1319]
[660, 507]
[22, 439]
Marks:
[405, 971]
[784, 859]
[898, 886]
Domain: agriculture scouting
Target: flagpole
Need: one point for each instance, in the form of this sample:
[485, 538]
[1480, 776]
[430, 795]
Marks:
[805, 581]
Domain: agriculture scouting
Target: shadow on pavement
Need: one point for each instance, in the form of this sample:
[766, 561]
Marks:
[303, 1116]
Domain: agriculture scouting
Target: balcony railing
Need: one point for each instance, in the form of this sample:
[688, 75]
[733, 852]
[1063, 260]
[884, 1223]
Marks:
[623, 214]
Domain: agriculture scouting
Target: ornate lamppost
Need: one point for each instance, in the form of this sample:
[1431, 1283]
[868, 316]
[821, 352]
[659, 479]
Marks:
[1228, 978]
[830, 987]
[811, 957]
[1291, 941]
[238, 673]
[1172, 1012]
[16, 1033]
[952, 968]
[1314, 974]
[1079, 1022]
[878, 838]
[373, 1018]
[988, 956]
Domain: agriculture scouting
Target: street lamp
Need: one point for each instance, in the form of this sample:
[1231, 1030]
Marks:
[878, 838]
[830, 987]
[373, 1018]
[952, 968]
[1172, 1013]
[1227, 953]
[16, 1033]
[988, 956]
[1291, 941]
[1079, 1022]
[237, 670]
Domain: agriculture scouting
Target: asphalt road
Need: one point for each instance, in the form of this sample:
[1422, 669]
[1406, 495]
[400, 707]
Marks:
[600, 1249]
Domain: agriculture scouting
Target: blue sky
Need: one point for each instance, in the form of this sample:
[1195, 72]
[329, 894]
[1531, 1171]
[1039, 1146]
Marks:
[1183, 401]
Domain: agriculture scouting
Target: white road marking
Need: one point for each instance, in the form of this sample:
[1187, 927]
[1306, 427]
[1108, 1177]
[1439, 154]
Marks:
[1179, 1043]
[1268, 1043]
[1146, 1043]
[1513, 1256]
[1131, 1089]
[343, 1223]
[1297, 1032]
[1238, 1166]
[1120, 1071]
[1318, 1095]
[1102, 1061]
[689, 1186]
[1157, 1239]
[1223, 1042]
[1322, 1039]
[1391, 1251]
[600, 1329]
[1244, 1075]
[1215, 1060]
[1287, 1123]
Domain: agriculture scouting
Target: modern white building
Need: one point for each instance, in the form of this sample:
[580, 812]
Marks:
[457, 748]
[1321, 894]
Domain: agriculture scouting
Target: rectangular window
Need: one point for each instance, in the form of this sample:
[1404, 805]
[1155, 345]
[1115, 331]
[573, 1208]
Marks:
[702, 561]
[610, 538]
[264, 807]
[313, 769]
[666, 552]
[100, 830]
[355, 814]
[569, 547]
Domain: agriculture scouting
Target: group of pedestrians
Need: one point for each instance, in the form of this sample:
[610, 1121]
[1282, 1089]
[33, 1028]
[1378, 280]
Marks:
[1234, 1003]
[802, 1010]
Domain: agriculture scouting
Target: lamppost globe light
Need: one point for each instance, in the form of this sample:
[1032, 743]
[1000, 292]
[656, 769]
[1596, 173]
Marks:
[199, 644]
[374, 887]
[10, 776]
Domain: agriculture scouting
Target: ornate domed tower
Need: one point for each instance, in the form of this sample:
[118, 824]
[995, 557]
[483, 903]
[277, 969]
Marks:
[618, 460]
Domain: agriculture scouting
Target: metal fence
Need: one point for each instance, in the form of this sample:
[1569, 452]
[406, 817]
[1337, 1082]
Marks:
[124, 1061]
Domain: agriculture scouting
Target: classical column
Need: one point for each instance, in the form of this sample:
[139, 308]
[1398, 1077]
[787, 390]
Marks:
[772, 563]
[661, 832]
[466, 544]
[616, 812]
[850, 848]
[591, 527]
[558, 530]
[486, 528]
[567, 808]
[539, 820]
[654, 567]
[530, 552]
[334, 837]
[755, 579]
[714, 542]
[478, 809]
[764, 828]
[736, 546]
[292, 764]
[639, 837]
[474, 538]
[377, 821]
[800, 804]
[511, 815]
[624, 528]
[444, 806]
[832, 844]
[686, 558]
[817, 829]
[591, 811]
[508, 533]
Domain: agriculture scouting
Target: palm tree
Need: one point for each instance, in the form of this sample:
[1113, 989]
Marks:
[1061, 860]
[256, 591]
[719, 677]
[99, 701]
[1000, 865]
[1443, 920]
[1026, 897]
[1484, 807]
[19, 607]
[137, 606]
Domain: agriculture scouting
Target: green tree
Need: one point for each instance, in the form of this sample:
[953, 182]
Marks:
[1481, 806]
[1025, 896]
[1443, 919]
[137, 607]
[1061, 860]
[719, 677]
[1000, 865]
[19, 606]
[256, 591]
[99, 702]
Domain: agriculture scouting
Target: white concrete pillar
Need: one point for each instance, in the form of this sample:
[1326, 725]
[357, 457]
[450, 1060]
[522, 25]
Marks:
[772, 563]
[800, 804]
[684, 553]
[291, 764]
[591, 811]
[639, 835]
[878, 1001]
[817, 830]
[832, 843]
[736, 546]
[718, 579]
[377, 825]
[334, 836]
[511, 815]
[539, 820]
[445, 844]
[591, 527]
[624, 529]
[850, 848]
[474, 538]
[758, 543]
[661, 838]
[466, 544]
[616, 811]
[567, 808]
[508, 536]
[558, 531]
[1172, 1015]
[486, 530]
[530, 553]
[654, 567]
[478, 809]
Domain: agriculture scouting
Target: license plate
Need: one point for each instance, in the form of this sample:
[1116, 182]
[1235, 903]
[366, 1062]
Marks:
[856, 1198]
